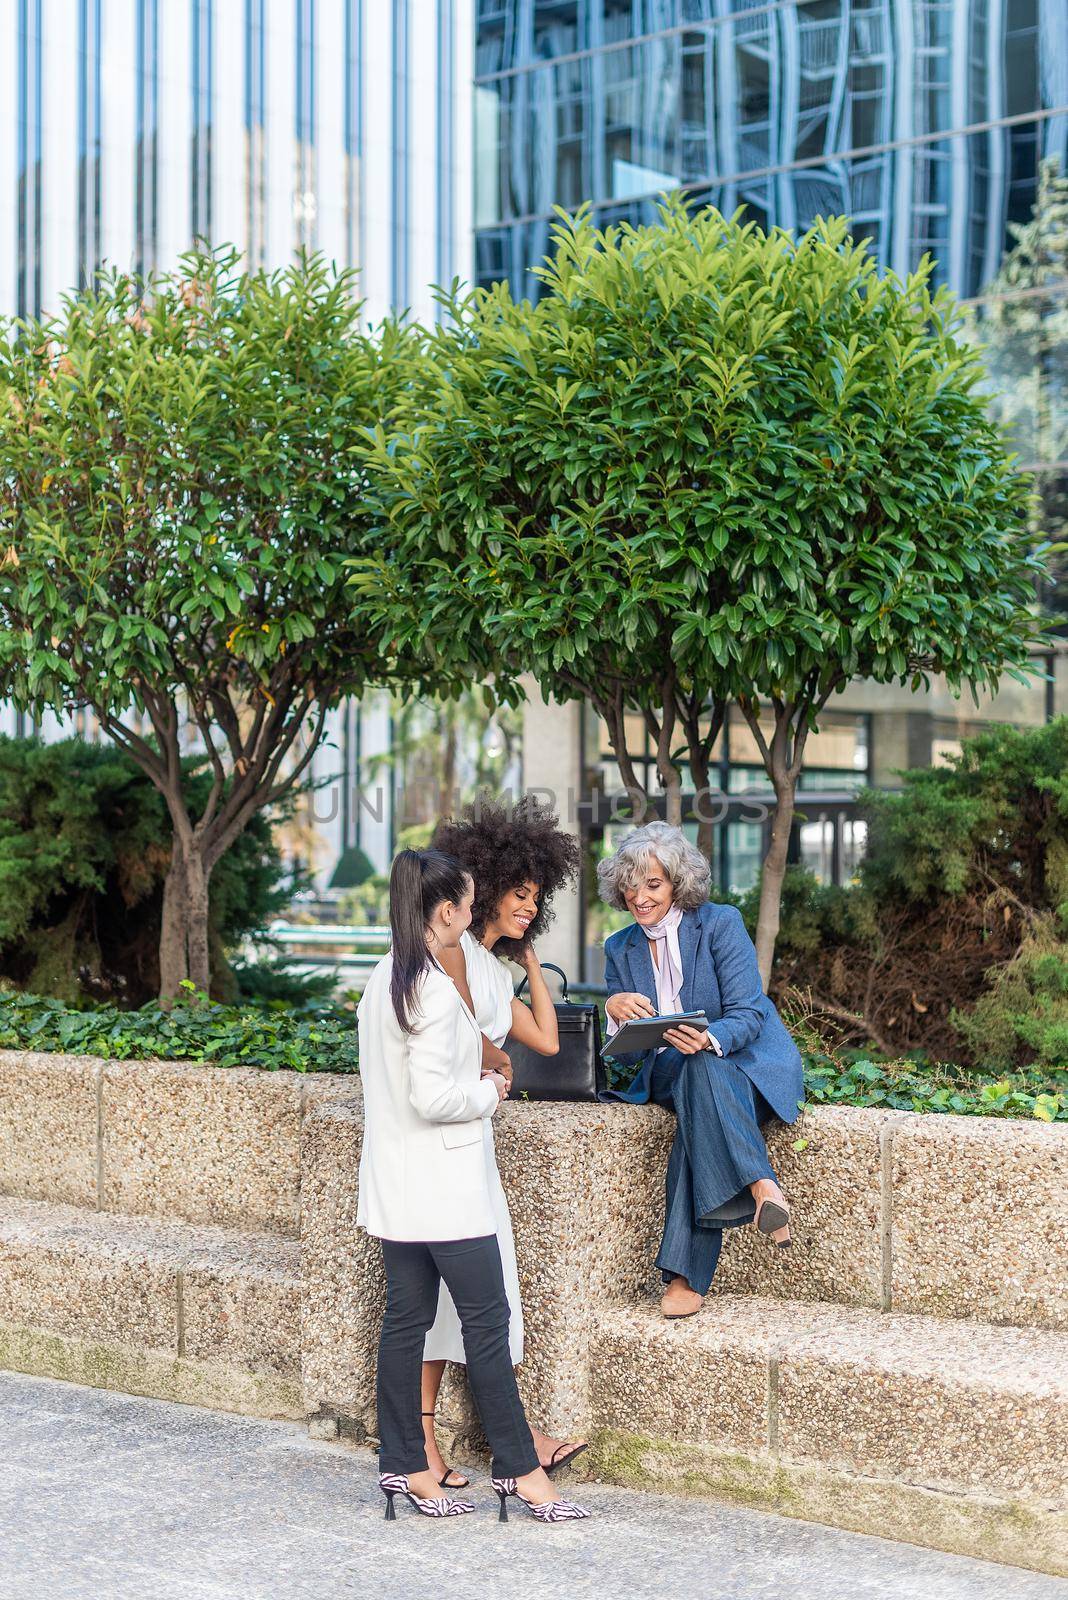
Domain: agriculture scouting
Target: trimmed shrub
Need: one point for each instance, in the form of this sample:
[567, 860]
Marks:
[84, 850]
[353, 868]
[954, 939]
[213, 1035]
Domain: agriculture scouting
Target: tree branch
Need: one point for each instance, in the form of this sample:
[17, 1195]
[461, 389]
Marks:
[853, 1020]
[137, 749]
[755, 729]
[613, 711]
[266, 794]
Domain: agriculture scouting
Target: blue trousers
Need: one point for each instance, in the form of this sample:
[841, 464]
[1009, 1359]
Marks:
[717, 1153]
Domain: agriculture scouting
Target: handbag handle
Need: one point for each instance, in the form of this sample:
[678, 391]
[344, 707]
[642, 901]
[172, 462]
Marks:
[552, 968]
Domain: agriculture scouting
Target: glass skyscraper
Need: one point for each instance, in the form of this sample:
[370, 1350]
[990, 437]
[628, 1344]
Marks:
[925, 121]
[127, 127]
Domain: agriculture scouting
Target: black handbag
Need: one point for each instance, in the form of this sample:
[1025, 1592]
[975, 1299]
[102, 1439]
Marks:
[577, 1072]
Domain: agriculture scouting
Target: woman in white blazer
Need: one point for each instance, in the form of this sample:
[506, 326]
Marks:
[520, 858]
[425, 1192]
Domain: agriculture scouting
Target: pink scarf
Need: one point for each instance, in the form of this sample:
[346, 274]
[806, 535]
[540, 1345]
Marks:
[665, 935]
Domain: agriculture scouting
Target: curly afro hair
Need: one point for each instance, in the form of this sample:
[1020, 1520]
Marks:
[503, 845]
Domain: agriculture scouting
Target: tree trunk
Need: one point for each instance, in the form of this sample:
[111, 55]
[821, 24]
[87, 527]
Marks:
[184, 947]
[173, 959]
[671, 778]
[706, 835]
[772, 874]
[645, 811]
[673, 800]
[197, 943]
[662, 729]
[700, 743]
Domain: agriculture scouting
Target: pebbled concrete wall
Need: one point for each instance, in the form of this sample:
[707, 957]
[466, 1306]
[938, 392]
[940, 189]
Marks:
[189, 1232]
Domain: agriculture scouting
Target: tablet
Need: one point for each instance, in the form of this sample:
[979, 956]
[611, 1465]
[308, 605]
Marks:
[647, 1033]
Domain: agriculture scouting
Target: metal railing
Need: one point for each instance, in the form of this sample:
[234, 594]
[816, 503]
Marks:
[350, 950]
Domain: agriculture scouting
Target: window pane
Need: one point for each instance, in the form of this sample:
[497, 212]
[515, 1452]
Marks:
[712, 107]
[744, 855]
[816, 841]
[854, 841]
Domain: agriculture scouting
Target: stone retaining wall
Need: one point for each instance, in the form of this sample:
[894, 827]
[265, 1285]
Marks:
[158, 1138]
[191, 1232]
[958, 1217]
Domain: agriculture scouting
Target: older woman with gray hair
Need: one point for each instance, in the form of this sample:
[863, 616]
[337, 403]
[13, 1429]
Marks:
[683, 953]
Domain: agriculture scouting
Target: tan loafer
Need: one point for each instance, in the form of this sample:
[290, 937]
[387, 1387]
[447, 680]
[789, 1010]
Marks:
[679, 1300]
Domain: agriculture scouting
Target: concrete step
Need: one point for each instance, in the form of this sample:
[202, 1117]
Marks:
[838, 1402]
[198, 1313]
[942, 1215]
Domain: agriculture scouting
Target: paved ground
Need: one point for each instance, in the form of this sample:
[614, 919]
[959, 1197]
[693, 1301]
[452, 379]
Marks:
[107, 1497]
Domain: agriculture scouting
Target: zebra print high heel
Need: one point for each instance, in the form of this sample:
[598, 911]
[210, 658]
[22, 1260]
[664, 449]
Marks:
[547, 1511]
[392, 1483]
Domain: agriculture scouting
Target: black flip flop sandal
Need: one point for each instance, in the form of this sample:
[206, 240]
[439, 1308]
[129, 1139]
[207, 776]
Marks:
[443, 1482]
[554, 1465]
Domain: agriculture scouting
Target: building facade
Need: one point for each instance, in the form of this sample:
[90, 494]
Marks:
[924, 121]
[130, 128]
[938, 127]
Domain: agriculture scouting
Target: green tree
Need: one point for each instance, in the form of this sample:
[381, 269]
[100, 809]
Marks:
[711, 465]
[179, 488]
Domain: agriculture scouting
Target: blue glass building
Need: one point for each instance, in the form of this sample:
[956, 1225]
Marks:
[925, 121]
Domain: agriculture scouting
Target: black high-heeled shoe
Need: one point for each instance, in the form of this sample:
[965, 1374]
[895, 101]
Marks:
[545, 1511]
[770, 1217]
[464, 1483]
[392, 1483]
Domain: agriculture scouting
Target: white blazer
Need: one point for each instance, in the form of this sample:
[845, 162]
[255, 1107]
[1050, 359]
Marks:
[423, 1172]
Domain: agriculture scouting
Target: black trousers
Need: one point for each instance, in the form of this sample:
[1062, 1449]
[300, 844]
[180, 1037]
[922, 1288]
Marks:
[472, 1272]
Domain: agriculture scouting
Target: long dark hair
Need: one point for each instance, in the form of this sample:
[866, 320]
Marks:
[418, 883]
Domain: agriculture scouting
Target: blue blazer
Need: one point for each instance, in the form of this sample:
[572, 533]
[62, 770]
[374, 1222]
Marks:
[719, 977]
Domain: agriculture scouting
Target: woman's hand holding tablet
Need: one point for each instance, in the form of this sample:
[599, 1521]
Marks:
[690, 1038]
[650, 1032]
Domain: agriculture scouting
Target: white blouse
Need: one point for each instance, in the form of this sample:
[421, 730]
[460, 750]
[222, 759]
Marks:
[491, 989]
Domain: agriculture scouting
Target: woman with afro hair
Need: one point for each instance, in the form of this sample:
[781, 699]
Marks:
[519, 857]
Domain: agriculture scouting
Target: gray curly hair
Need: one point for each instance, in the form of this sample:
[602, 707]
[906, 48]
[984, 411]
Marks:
[684, 866]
